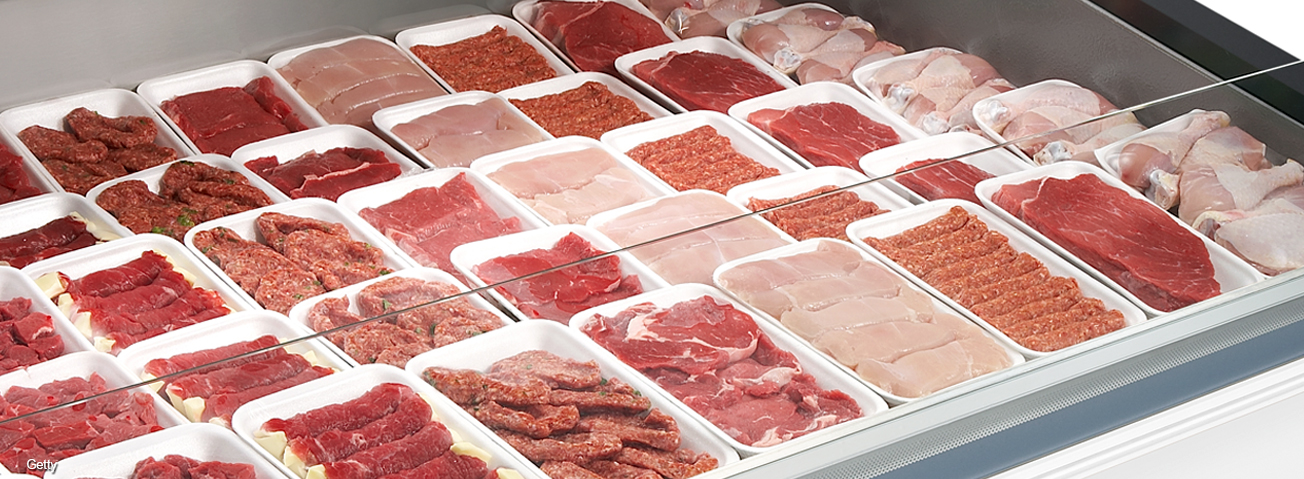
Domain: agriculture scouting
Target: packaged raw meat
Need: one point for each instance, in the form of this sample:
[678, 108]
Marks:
[456, 129]
[211, 369]
[35, 331]
[428, 215]
[566, 416]
[121, 292]
[592, 34]
[586, 104]
[219, 452]
[324, 162]
[701, 74]
[535, 338]
[15, 183]
[933, 89]
[937, 182]
[485, 52]
[556, 295]
[1143, 252]
[1052, 105]
[1038, 303]
[865, 317]
[222, 120]
[699, 159]
[361, 322]
[347, 80]
[566, 181]
[98, 149]
[710, 17]
[55, 433]
[828, 124]
[813, 41]
[742, 139]
[170, 199]
[691, 257]
[825, 217]
[31, 234]
[372, 421]
[712, 355]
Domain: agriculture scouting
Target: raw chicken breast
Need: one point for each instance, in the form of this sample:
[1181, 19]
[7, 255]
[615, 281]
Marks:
[570, 187]
[458, 134]
[348, 82]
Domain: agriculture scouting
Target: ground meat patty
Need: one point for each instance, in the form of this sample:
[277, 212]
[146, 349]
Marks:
[189, 193]
[99, 148]
[588, 110]
[276, 226]
[825, 217]
[380, 342]
[444, 322]
[336, 261]
[552, 369]
[122, 132]
[49, 144]
[578, 448]
[282, 288]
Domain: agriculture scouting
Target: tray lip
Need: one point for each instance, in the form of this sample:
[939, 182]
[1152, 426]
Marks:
[525, 11]
[762, 151]
[299, 313]
[159, 89]
[984, 122]
[88, 260]
[152, 176]
[877, 163]
[14, 284]
[167, 441]
[82, 364]
[485, 349]
[708, 44]
[63, 201]
[489, 164]
[822, 92]
[467, 256]
[315, 208]
[387, 118]
[411, 37]
[118, 99]
[829, 377]
[40, 177]
[1016, 358]
[1058, 266]
[565, 83]
[325, 391]
[777, 187]
[1070, 169]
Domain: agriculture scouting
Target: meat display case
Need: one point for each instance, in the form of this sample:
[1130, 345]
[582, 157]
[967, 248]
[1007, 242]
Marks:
[1130, 51]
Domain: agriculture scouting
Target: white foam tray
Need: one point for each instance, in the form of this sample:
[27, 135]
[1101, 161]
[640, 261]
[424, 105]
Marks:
[863, 75]
[40, 178]
[235, 74]
[598, 221]
[487, 165]
[118, 252]
[735, 29]
[1231, 272]
[744, 140]
[455, 31]
[997, 161]
[717, 45]
[898, 221]
[13, 284]
[31, 213]
[202, 442]
[526, 11]
[827, 375]
[82, 364]
[225, 331]
[112, 102]
[481, 352]
[348, 385]
[985, 109]
[822, 92]
[811, 245]
[152, 176]
[470, 255]
[566, 83]
[286, 56]
[788, 186]
[502, 202]
[1107, 155]
[244, 224]
[299, 314]
[387, 118]
[287, 148]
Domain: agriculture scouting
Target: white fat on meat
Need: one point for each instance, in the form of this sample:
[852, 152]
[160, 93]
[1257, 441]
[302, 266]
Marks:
[638, 331]
[1232, 187]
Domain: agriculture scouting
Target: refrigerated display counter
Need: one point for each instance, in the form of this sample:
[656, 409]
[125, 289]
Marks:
[1130, 52]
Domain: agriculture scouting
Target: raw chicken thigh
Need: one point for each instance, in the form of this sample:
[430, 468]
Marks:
[817, 44]
[706, 17]
[937, 91]
[1050, 107]
[1140, 160]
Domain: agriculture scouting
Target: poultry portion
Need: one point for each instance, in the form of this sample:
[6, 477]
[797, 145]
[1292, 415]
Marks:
[937, 90]
[817, 44]
[1063, 110]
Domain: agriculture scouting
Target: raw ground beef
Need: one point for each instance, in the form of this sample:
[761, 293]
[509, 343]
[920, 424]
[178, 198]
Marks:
[99, 148]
